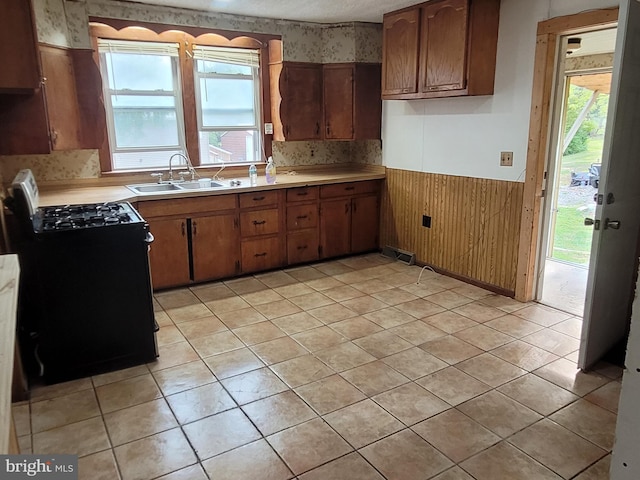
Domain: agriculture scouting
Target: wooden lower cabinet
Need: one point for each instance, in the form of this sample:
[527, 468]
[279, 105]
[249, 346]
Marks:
[349, 222]
[209, 238]
[335, 227]
[261, 254]
[302, 246]
[364, 223]
[169, 253]
[214, 243]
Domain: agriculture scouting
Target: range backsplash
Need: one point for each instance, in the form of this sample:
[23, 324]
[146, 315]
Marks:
[83, 164]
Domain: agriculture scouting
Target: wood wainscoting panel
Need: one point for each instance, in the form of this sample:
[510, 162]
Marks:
[475, 223]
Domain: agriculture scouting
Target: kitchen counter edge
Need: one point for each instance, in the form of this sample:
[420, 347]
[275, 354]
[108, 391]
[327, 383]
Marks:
[100, 194]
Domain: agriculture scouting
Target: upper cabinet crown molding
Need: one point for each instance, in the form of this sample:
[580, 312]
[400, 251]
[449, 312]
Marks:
[441, 48]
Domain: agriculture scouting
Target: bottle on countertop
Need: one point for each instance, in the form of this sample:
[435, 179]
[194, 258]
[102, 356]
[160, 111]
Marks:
[270, 171]
[253, 176]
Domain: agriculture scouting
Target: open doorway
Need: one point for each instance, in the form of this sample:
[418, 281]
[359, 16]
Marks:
[574, 171]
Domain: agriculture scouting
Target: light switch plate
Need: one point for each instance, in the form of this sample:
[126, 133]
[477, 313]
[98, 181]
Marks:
[268, 128]
[506, 159]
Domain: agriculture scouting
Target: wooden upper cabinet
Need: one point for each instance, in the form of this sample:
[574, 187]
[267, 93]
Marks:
[338, 101]
[20, 72]
[443, 46]
[61, 98]
[455, 53]
[352, 104]
[65, 113]
[301, 105]
[400, 52]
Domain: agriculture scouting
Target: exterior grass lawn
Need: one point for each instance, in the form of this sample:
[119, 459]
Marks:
[572, 240]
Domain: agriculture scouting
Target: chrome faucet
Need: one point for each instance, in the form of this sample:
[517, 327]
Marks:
[190, 168]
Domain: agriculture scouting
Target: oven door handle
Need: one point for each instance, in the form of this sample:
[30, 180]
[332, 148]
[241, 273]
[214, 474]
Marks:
[149, 238]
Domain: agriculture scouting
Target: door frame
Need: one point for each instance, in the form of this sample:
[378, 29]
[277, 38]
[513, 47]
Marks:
[547, 39]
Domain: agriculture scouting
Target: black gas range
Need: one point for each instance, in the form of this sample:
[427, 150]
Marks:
[74, 217]
[85, 302]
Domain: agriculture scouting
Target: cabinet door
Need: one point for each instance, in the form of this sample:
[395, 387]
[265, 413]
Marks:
[301, 107]
[400, 52]
[20, 70]
[303, 216]
[61, 98]
[338, 102]
[335, 227]
[261, 254]
[259, 222]
[443, 45]
[214, 243]
[169, 254]
[364, 224]
[302, 246]
[367, 115]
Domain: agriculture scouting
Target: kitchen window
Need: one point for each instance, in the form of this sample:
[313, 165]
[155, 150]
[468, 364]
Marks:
[142, 93]
[204, 93]
[227, 85]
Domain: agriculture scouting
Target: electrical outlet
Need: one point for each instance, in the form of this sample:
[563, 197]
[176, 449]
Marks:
[426, 221]
[506, 159]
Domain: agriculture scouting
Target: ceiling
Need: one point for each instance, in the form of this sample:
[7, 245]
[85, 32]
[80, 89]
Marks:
[593, 43]
[320, 11]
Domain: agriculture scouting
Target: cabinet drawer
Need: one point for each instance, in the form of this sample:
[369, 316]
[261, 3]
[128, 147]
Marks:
[258, 199]
[262, 254]
[302, 216]
[302, 246]
[301, 194]
[186, 206]
[350, 188]
[259, 222]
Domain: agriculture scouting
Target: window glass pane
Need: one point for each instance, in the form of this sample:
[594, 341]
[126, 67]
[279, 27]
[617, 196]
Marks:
[145, 127]
[143, 101]
[142, 160]
[129, 71]
[227, 102]
[229, 146]
[204, 66]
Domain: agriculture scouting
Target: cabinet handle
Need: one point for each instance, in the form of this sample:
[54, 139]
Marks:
[183, 229]
[355, 207]
[350, 188]
[346, 208]
[261, 222]
[302, 247]
[302, 194]
[258, 199]
[301, 217]
[328, 130]
[195, 228]
[317, 128]
[263, 254]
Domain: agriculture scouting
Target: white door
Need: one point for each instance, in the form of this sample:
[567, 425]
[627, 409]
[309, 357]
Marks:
[614, 250]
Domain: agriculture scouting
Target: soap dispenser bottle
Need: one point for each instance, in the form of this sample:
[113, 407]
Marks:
[270, 171]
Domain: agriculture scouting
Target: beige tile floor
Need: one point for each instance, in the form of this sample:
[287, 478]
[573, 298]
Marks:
[346, 369]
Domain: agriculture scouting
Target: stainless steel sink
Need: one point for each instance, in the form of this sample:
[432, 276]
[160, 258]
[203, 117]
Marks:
[153, 187]
[196, 185]
[174, 187]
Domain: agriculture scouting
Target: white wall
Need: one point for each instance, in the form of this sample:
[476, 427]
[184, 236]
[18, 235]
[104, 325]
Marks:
[464, 136]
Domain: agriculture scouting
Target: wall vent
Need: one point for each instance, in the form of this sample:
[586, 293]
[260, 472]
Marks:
[401, 255]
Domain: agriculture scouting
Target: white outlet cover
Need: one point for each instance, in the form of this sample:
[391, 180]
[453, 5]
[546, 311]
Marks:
[268, 128]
